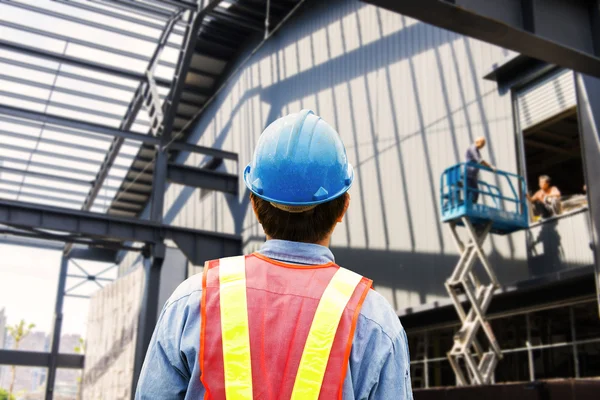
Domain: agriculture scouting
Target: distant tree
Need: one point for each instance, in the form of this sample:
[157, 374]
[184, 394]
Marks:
[18, 332]
[4, 395]
[79, 349]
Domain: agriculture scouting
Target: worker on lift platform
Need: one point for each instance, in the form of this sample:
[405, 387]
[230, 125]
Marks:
[472, 155]
[285, 322]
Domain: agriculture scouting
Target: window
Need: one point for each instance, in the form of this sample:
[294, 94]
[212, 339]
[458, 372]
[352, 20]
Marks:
[549, 134]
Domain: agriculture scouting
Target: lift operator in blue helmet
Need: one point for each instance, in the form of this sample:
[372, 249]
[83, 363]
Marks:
[285, 322]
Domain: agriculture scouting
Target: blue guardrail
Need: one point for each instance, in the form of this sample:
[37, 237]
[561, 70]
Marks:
[507, 211]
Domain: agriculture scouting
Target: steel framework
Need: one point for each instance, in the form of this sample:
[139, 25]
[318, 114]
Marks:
[87, 234]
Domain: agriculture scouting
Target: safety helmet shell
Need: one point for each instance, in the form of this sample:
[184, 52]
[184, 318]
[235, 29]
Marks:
[299, 161]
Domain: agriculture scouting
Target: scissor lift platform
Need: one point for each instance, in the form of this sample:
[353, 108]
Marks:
[497, 214]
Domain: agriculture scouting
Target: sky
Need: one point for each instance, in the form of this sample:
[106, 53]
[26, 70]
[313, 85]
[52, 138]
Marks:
[28, 283]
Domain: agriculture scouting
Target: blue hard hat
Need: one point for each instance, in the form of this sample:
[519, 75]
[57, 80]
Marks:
[299, 161]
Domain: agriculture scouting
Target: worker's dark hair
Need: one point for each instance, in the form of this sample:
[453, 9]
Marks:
[546, 178]
[310, 226]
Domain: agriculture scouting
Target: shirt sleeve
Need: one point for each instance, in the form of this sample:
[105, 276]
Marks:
[394, 376]
[473, 155]
[164, 374]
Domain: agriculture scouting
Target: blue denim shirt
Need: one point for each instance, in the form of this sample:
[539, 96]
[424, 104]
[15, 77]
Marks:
[379, 362]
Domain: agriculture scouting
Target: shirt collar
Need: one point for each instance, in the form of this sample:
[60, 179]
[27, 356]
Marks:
[296, 252]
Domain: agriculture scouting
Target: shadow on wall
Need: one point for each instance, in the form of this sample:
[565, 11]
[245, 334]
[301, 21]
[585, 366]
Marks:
[544, 250]
[398, 275]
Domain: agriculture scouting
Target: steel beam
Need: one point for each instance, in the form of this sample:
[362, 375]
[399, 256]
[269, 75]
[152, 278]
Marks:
[80, 42]
[113, 14]
[149, 309]
[38, 359]
[44, 176]
[58, 89]
[66, 74]
[13, 240]
[198, 246]
[76, 61]
[562, 32]
[82, 21]
[187, 5]
[107, 131]
[65, 106]
[39, 197]
[54, 155]
[46, 127]
[51, 189]
[588, 109]
[79, 252]
[60, 143]
[48, 166]
[134, 6]
[56, 332]
[39, 237]
[202, 178]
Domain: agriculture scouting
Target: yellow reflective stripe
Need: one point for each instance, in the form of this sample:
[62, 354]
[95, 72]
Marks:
[234, 328]
[322, 333]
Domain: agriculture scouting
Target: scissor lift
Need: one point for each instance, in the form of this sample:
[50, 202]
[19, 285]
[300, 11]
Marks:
[496, 214]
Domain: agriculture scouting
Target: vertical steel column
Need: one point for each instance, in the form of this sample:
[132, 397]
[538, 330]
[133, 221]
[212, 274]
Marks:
[588, 111]
[529, 351]
[58, 318]
[149, 308]
[426, 361]
[268, 12]
[155, 255]
[574, 341]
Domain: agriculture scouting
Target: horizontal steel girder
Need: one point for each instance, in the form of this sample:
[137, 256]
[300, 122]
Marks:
[104, 130]
[198, 246]
[202, 178]
[561, 32]
[36, 359]
[76, 61]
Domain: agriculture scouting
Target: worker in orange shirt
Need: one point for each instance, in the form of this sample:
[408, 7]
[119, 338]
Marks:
[546, 201]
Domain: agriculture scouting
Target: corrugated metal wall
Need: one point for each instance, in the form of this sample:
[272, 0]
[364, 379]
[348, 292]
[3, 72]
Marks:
[547, 98]
[407, 99]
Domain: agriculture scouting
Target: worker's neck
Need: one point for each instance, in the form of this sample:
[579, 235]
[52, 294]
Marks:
[325, 242]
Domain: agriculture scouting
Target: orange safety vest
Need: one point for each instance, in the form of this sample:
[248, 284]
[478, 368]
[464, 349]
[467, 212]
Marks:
[277, 331]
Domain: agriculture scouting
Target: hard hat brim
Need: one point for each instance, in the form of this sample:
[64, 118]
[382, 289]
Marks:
[331, 197]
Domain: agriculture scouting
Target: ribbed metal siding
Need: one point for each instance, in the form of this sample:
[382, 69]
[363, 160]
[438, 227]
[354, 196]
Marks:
[546, 99]
[407, 99]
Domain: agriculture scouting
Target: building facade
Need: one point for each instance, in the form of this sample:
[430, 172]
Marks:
[408, 99]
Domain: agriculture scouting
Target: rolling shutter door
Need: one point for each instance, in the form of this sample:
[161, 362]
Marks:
[547, 98]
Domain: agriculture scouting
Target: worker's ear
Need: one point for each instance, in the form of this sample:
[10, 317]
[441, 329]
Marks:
[346, 205]
[253, 206]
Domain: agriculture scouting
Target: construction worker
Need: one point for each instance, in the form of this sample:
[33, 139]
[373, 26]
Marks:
[285, 322]
[473, 156]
